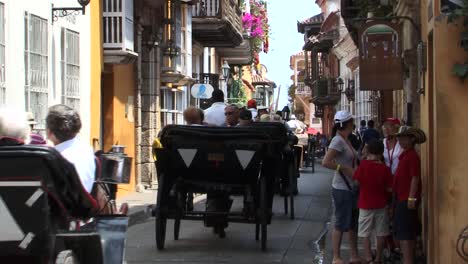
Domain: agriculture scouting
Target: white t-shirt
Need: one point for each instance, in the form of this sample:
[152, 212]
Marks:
[82, 156]
[214, 115]
[392, 156]
[254, 113]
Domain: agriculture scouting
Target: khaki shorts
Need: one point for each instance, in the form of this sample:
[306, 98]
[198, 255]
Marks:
[373, 221]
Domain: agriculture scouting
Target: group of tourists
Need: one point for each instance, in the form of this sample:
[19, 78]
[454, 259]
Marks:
[63, 124]
[222, 114]
[375, 190]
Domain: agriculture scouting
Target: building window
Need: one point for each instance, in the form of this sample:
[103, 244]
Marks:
[183, 37]
[36, 67]
[71, 68]
[2, 55]
[172, 107]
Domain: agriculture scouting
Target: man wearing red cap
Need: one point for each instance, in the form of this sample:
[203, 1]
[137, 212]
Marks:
[252, 107]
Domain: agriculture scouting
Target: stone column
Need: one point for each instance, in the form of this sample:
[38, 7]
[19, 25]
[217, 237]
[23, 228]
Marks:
[148, 115]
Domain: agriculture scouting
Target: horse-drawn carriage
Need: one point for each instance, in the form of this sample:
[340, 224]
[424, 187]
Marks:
[47, 217]
[222, 162]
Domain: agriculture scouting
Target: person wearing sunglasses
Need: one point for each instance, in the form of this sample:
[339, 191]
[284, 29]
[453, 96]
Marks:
[231, 112]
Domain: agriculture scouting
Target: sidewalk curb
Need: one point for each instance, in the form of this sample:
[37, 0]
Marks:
[138, 215]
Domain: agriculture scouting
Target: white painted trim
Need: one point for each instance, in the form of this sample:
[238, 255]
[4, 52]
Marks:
[19, 183]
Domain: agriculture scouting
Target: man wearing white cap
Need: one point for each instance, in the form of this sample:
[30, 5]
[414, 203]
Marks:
[342, 158]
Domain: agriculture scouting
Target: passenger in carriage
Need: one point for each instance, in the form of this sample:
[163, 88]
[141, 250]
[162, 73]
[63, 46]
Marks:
[14, 129]
[193, 116]
[245, 118]
[63, 125]
[215, 114]
[232, 115]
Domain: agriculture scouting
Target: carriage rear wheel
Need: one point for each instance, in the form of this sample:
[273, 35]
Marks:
[257, 231]
[264, 236]
[160, 232]
[176, 228]
[263, 211]
[292, 187]
[66, 257]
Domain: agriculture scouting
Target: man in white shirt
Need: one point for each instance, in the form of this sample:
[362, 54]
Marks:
[63, 126]
[214, 115]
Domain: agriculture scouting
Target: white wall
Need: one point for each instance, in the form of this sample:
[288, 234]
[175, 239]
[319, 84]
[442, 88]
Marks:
[15, 45]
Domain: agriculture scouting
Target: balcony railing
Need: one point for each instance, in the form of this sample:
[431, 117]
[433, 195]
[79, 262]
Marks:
[303, 90]
[325, 91]
[217, 23]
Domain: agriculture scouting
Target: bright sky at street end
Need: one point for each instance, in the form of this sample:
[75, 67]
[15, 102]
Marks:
[285, 40]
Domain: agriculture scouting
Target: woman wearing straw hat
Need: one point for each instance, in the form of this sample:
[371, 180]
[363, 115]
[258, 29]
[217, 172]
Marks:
[342, 158]
[407, 188]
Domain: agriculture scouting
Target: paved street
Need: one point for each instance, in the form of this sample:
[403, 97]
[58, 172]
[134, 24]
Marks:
[289, 241]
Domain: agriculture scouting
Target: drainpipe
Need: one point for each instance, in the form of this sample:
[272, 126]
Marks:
[158, 62]
[138, 186]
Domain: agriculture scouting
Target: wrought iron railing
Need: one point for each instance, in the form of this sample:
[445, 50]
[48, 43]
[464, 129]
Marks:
[303, 89]
[225, 9]
[325, 91]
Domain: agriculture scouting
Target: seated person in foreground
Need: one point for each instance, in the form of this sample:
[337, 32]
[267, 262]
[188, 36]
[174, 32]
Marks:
[14, 129]
[63, 125]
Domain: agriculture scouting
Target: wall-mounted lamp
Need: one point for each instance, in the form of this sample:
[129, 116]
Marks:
[339, 82]
[65, 11]
[350, 90]
[171, 49]
[226, 69]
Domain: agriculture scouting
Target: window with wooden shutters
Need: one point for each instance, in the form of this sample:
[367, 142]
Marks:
[36, 55]
[70, 60]
[2, 55]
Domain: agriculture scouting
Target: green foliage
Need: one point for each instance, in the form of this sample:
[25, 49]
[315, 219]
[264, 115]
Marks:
[458, 15]
[292, 92]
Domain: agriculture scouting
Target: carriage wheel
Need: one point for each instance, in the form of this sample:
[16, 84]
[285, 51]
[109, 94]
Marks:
[176, 228]
[286, 195]
[66, 257]
[263, 211]
[292, 187]
[257, 231]
[264, 236]
[160, 232]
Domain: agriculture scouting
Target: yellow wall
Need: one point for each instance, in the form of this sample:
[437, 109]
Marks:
[119, 124]
[96, 69]
[444, 113]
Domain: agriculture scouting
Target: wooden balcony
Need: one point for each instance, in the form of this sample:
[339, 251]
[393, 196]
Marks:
[217, 23]
[325, 92]
[118, 35]
[240, 55]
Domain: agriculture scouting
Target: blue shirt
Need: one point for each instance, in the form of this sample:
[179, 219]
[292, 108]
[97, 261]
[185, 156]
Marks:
[370, 134]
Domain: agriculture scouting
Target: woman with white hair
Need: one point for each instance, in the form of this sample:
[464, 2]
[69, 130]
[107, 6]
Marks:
[14, 127]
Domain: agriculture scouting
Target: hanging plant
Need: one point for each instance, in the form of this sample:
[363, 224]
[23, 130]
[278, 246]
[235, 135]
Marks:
[256, 24]
[456, 16]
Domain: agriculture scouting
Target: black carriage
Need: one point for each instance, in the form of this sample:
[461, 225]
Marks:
[219, 162]
[47, 216]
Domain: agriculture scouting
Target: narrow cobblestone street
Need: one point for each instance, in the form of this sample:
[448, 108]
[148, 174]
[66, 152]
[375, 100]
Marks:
[289, 241]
